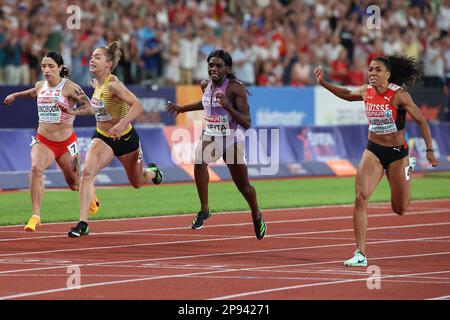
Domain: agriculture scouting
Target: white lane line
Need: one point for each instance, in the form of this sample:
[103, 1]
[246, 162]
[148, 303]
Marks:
[259, 292]
[35, 293]
[223, 254]
[371, 206]
[221, 239]
[347, 217]
[440, 298]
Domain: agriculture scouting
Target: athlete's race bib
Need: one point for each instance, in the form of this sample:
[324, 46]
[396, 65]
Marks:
[382, 125]
[217, 125]
[73, 148]
[101, 114]
[48, 112]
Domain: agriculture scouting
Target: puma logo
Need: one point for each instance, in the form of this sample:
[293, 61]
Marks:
[387, 98]
[397, 149]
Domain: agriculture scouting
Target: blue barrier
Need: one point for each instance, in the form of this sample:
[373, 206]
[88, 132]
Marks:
[282, 152]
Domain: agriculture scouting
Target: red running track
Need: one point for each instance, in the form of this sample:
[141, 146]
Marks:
[301, 257]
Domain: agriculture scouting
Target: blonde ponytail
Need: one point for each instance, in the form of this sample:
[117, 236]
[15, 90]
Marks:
[113, 53]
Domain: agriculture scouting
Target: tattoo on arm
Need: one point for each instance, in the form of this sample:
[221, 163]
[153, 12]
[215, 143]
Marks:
[84, 105]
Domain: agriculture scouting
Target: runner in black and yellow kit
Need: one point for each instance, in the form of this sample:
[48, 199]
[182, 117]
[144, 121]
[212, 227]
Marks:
[115, 108]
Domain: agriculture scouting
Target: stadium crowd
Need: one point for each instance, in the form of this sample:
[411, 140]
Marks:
[273, 42]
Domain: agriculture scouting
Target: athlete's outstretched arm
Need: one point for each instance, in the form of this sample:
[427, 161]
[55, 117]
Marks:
[173, 109]
[343, 93]
[26, 93]
[403, 99]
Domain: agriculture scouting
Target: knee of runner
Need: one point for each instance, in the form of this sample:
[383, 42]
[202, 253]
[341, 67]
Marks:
[361, 196]
[36, 172]
[88, 174]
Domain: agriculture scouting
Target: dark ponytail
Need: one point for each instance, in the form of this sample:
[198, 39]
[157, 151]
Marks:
[64, 72]
[59, 61]
[403, 69]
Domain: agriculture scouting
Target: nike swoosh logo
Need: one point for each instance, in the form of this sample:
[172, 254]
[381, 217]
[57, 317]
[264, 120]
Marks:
[126, 139]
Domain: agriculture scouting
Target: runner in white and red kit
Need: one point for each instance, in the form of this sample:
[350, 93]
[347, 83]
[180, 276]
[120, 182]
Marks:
[386, 107]
[55, 138]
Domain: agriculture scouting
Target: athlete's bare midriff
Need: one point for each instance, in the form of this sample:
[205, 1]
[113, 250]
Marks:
[55, 131]
[394, 139]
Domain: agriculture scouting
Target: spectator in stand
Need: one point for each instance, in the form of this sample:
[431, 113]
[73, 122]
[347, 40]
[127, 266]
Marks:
[146, 32]
[206, 46]
[334, 48]
[243, 59]
[339, 68]
[267, 75]
[272, 26]
[13, 52]
[415, 18]
[318, 51]
[301, 71]
[411, 45]
[189, 49]
[171, 57]
[443, 17]
[434, 65]
[357, 73]
[392, 42]
[376, 50]
[152, 57]
[132, 63]
[289, 60]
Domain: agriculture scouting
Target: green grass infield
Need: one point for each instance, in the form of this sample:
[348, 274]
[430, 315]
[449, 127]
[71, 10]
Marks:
[122, 202]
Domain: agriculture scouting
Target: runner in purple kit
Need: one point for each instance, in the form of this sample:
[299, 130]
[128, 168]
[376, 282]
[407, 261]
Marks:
[227, 116]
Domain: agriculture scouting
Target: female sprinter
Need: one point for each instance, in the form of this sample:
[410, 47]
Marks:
[386, 106]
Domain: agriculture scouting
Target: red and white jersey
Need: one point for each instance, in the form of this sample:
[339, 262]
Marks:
[46, 103]
[383, 117]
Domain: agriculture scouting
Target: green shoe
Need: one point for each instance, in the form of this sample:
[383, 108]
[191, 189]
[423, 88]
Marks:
[260, 227]
[358, 260]
[158, 173]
